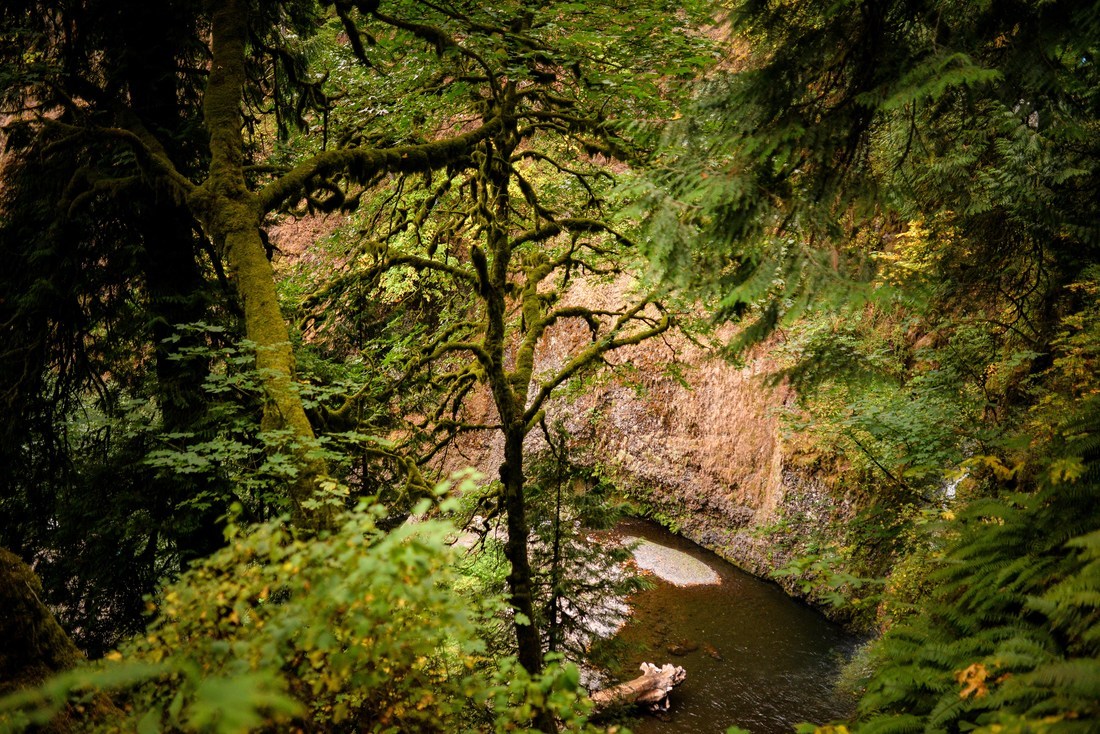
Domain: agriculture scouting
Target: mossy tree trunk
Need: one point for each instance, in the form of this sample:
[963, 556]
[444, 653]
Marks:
[509, 394]
[517, 262]
[229, 213]
[33, 646]
[231, 216]
[520, 585]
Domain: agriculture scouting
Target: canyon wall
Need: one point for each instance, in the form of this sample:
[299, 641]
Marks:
[697, 442]
[700, 448]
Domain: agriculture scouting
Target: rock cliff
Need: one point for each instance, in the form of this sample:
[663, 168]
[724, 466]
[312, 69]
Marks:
[700, 447]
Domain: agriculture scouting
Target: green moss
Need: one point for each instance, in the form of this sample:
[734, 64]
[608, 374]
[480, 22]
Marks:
[34, 645]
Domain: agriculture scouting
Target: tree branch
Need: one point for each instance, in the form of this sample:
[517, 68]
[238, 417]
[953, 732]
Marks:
[150, 154]
[361, 164]
[594, 352]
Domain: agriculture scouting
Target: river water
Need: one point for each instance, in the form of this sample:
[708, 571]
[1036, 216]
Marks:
[754, 657]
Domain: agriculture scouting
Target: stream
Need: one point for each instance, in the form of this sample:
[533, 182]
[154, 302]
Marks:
[755, 658]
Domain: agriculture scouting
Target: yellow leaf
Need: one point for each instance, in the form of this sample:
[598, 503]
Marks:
[972, 679]
[1068, 469]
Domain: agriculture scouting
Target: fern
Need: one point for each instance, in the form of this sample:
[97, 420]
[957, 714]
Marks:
[1011, 634]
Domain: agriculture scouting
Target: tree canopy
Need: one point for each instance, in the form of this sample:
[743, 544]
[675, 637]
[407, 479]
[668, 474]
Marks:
[485, 131]
[895, 199]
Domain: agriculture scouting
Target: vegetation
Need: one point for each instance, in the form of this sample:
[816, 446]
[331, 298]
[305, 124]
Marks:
[280, 631]
[512, 227]
[508, 117]
[226, 474]
[906, 190]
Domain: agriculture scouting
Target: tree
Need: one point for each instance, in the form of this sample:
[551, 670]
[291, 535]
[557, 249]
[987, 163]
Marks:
[101, 271]
[523, 75]
[526, 215]
[841, 128]
[217, 195]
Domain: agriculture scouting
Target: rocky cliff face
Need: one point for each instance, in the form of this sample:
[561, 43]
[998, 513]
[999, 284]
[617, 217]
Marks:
[707, 458]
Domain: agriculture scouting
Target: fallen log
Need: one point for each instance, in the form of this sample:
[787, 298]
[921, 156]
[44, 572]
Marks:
[650, 689]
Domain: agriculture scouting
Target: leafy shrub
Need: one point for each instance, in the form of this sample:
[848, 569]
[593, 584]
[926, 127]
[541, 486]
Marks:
[355, 631]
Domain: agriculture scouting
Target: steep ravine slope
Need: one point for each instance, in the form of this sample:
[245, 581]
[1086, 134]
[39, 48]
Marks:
[709, 459]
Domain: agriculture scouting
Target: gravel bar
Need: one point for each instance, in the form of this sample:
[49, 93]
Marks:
[676, 567]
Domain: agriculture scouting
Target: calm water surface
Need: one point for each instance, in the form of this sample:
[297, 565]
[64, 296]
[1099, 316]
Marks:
[754, 657]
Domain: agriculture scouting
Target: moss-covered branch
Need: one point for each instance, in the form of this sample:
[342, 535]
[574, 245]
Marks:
[569, 224]
[419, 262]
[581, 177]
[589, 356]
[442, 41]
[361, 164]
[149, 153]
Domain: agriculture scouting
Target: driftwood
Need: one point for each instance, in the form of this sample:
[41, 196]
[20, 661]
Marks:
[650, 689]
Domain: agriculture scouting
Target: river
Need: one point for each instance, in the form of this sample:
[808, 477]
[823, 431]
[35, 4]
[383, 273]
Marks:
[755, 658]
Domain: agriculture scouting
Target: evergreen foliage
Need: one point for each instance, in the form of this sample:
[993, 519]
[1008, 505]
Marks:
[905, 190]
[1007, 640]
[901, 192]
[100, 270]
[843, 127]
